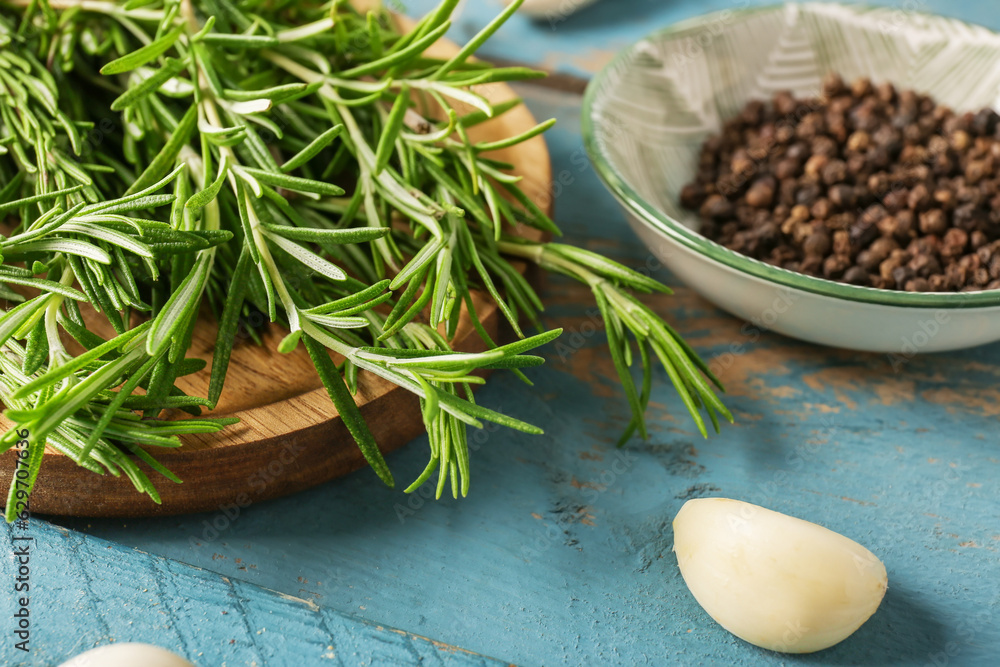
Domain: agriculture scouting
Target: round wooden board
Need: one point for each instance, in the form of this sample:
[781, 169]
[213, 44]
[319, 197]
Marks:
[289, 436]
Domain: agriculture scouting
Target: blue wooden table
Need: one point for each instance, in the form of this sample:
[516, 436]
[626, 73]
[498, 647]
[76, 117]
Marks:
[562, 552]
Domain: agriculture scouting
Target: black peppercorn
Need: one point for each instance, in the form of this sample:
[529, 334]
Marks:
[867, 184]
[761, 193]
[984, 122]
[808, 194]
[842, 196]
[933, 222]
[817, 244]
[717, 206]
[856, 276]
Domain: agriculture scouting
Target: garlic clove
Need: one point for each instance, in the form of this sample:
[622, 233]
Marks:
[776, 581]
[128, 654]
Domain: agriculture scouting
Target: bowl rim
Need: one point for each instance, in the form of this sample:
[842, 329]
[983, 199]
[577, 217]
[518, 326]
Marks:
[678, 232]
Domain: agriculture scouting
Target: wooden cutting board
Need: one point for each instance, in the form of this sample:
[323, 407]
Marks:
[289, 436]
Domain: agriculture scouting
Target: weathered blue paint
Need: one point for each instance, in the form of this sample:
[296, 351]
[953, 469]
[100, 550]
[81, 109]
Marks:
[563, 549]
[562, 552]
[86, 592]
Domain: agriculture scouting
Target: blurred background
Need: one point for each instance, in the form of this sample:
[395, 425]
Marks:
[579, 37]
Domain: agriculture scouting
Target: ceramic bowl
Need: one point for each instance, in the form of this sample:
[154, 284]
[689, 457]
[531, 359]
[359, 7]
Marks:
[647, 113]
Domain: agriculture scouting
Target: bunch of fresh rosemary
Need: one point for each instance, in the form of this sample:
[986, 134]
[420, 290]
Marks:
[276, 157]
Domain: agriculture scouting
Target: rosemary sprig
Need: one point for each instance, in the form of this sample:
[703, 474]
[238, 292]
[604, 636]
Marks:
[305, 162]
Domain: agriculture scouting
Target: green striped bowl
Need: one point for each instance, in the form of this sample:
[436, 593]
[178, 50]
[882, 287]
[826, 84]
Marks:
[647, 113]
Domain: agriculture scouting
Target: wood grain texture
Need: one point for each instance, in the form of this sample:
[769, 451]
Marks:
[289, 433]
[561, 554]
[208, 618]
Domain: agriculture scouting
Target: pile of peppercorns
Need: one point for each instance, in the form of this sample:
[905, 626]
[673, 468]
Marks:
[865, 185]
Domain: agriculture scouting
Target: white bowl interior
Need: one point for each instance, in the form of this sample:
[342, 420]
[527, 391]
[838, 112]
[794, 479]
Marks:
[901, 332]
[657, 105]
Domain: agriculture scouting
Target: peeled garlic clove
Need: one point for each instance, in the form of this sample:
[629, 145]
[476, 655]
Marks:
[129, 654]
[778, 582]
